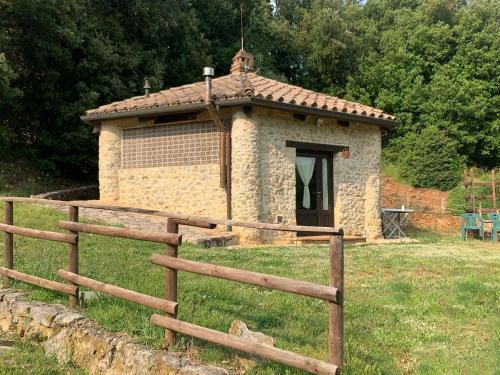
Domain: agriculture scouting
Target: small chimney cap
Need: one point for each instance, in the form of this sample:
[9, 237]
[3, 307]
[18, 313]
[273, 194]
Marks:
[208, 71]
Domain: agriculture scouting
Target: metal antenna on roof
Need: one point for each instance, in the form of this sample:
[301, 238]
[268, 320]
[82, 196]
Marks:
[241, 25]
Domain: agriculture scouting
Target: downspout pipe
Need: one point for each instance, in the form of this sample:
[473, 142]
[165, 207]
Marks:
[224, 142]
[208, 73]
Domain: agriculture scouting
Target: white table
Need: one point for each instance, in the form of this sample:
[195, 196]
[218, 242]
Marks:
[393, 222]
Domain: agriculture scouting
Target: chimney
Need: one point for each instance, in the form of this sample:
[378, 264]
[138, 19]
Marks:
[208, 73]
[146, 88]
[243, 62]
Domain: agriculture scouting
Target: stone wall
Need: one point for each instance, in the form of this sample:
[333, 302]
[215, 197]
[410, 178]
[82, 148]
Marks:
[70, 337]
[264, 170]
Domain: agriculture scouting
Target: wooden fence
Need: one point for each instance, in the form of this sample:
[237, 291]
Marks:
[332, 293]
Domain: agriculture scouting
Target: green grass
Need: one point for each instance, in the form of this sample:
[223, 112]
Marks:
[26, 358]
[427, 308]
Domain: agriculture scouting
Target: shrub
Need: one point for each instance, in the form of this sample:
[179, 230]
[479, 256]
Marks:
[430, 159]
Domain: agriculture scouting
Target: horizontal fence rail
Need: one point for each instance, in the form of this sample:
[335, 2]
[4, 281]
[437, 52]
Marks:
[115, 291]
[38, 281]
[261, 350]
[168, 238]
[332, 293]
[198, 224]
[254, 278]
[188, 219]
[41, 234]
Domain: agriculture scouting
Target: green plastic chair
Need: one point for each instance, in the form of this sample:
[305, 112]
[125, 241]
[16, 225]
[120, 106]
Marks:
[472, 222]
[495, 226]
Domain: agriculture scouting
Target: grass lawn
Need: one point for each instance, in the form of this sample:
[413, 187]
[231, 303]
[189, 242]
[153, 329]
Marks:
[426, 308]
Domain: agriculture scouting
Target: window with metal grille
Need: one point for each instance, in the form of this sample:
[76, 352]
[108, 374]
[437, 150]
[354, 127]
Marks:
[172, 144]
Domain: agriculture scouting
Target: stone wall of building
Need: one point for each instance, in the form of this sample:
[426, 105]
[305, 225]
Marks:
[109, 161]
[246, 181]
[189, 189]
[263, 174]
[356, 179]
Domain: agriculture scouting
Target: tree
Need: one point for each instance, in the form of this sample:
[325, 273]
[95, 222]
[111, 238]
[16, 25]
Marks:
[430, 159]
[432, 63]
[72, 55]
[435, 63]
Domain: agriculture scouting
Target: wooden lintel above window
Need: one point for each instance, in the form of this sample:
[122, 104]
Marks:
[174, 117]
[315, 146]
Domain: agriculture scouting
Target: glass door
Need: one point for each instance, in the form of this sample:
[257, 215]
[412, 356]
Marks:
[314, 188]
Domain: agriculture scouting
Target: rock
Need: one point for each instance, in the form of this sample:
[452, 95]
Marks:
[4, 309]
[45, 314]
[240, 329]
[130, 358]
[203, 370]
[13, 296]
[88, 296]
[56, 346]
[4, 292]
[67, 317]
[21, 308]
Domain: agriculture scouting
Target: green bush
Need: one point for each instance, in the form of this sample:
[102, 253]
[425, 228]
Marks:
[430, 159]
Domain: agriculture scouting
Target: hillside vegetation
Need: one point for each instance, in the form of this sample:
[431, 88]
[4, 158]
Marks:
[20, 178]
[435, 64]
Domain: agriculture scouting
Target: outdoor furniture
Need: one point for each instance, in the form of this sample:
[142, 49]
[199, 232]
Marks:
[472, 222]
[393, 222]
[495, 226]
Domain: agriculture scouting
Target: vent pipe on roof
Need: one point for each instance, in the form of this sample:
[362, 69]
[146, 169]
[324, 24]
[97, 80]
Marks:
[146, 88]
[208, 73]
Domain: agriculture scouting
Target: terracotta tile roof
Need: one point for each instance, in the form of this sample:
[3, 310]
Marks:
[240, 84]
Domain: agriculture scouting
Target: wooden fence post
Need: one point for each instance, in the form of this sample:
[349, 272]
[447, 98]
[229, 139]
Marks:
[73, 257]
[171, 281]
[336, 310]
[9, 238]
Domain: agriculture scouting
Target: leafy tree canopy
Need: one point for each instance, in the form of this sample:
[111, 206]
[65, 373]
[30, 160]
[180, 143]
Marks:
[435, 64]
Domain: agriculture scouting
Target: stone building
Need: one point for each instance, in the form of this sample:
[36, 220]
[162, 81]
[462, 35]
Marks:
[246, 147]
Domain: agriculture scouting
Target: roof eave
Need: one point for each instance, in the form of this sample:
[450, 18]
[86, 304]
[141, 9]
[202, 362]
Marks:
[90, 118]
[389, 124]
